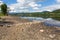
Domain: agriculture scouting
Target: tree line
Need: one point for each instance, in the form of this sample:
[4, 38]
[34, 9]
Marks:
[46, 14]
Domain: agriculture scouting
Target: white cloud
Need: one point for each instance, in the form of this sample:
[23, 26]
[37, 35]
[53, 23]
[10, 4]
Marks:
[24, 5]
[29, 1]
[58, 1]
[51, 7]
[33, 4]
[1, 2]
[21, 1]
[35, 8]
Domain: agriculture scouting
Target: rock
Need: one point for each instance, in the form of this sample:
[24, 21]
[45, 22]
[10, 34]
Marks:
[41, 30]
[52, 35]
[9, 25]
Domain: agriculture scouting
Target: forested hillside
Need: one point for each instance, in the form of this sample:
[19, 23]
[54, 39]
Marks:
[45, 14]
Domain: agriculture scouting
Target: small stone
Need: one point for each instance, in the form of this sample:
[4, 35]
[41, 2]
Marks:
[41, 30]
[52, 35]
[9, 25]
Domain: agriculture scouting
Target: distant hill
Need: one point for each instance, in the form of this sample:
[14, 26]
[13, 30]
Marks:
[45, 14]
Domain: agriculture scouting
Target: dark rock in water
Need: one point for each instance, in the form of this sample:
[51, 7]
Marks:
[52, 23]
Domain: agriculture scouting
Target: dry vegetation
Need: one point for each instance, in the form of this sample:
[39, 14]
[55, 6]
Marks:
[22, 29]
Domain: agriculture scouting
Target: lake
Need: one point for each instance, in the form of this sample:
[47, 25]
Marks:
[34, 18]
[47, 21]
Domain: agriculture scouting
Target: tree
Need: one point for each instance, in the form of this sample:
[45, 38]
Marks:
[4, 9]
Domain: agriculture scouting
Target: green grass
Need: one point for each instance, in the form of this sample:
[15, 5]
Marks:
[1, 14]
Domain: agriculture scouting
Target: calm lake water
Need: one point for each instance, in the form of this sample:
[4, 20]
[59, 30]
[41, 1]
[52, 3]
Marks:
[47, 21]
[33, 18]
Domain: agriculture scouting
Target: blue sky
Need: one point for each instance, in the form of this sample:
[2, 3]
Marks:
[45, 3]
[32, 5]
[8, 2]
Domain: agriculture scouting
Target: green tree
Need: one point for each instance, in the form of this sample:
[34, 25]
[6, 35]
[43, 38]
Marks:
[4, 9]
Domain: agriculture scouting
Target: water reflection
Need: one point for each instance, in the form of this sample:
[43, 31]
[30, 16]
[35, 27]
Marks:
[33, 18]
[47, 21]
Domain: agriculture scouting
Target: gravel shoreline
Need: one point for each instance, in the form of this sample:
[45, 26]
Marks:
[25, 30]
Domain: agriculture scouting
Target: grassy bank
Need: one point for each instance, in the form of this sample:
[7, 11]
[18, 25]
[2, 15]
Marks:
[1, 14]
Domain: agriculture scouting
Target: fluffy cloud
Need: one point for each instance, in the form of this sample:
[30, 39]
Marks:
[29, 1]
[21, 1]
[1, 2]
[24, 5]
[58, 1]
[34, 5]
[31, 5]
[51, 7]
